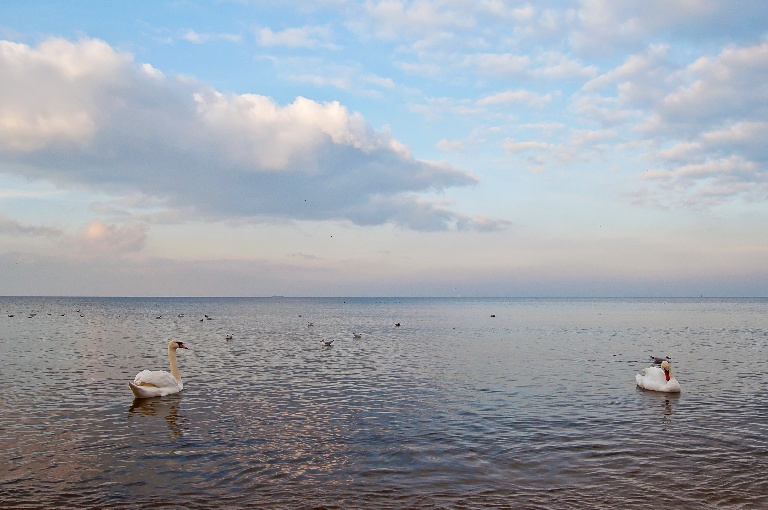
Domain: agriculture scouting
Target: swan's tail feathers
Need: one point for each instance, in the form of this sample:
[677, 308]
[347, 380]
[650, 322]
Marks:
[135, 389]
[141, 390]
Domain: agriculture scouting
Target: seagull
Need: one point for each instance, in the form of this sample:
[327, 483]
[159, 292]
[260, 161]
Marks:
[658, 360]
[328, 343]
[310, 324]
[397, 324]
[357, 335]
[228, 337]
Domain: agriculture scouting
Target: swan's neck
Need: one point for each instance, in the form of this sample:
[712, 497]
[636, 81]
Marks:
[174, 367]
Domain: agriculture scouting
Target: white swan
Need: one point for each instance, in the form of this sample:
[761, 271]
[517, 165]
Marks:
[158, 383]
[658, 379]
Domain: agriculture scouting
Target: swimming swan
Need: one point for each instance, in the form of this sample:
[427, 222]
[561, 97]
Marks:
[158, 383]
[658, 379]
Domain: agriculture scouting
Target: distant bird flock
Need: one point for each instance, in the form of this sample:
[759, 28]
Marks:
[657, 377]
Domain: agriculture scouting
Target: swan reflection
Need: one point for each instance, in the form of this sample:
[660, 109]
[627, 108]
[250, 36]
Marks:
[663, 401]
[167, 407]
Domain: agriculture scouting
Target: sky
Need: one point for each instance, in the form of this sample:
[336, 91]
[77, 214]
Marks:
[593, 148]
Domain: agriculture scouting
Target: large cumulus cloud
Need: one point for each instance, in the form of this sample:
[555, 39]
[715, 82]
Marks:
[84, 115]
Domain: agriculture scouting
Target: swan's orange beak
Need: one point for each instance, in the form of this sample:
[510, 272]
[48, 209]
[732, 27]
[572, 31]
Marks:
[666, 374]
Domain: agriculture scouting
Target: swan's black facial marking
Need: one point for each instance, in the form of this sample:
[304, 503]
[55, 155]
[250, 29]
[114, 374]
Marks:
[181, 345]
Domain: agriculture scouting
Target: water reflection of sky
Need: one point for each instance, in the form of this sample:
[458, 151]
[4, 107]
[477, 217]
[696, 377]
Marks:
[162, 407]
[660, 405]
[449, 403]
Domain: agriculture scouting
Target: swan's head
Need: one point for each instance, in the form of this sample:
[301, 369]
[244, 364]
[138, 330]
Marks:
[667, 370]
[177, 344]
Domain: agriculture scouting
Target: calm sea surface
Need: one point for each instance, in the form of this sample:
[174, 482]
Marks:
[534, 408]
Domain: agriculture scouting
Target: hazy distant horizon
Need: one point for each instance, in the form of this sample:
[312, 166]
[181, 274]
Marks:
[383, 297]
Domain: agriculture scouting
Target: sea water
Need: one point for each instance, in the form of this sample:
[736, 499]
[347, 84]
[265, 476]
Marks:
[468, 403]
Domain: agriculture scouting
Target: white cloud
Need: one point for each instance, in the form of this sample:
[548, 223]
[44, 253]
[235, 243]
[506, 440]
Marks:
[610, 26]
[511, 145]
[525, 97]
[709, 183]
[704, 120]
[680, 152]
[390, 19]
[641, 81]
[732, 85]
[496, 64]
[450, 145]
[296, 37]
[201, 38]
[556, 66]
[717, 118]
[99, 238]
[436, 108]
[217, 155]
[36, 87]
[379, 81]
[344, 76]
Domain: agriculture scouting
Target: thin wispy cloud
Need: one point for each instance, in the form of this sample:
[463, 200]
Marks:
[297, 37]
[15, 227]
[202, 38]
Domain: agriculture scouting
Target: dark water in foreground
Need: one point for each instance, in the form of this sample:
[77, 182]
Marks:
[534, 408]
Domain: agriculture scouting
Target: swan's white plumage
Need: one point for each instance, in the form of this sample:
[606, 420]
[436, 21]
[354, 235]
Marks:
[161, 380]
[654, 379]
[158, 383]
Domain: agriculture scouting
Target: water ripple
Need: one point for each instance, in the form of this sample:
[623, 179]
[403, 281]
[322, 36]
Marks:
[535, 408]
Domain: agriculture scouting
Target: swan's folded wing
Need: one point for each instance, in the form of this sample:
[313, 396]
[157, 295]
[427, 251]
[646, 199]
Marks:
[157, 378]
[655, 373]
